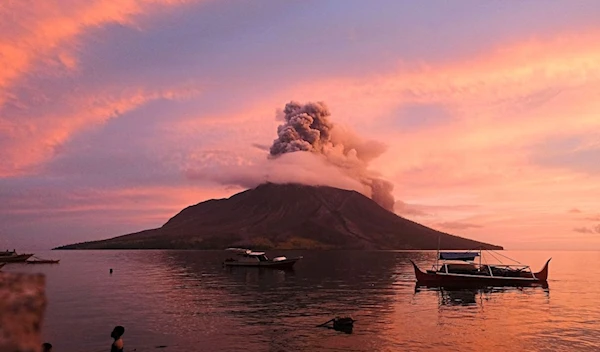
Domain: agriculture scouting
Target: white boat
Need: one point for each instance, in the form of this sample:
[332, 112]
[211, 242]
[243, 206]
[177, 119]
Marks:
[247, 257]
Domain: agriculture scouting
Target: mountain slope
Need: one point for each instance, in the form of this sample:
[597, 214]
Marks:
[288, 216]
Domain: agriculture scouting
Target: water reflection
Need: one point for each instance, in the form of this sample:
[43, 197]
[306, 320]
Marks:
[459, 298]
[186, 300]
[477, 296]
[276, 308]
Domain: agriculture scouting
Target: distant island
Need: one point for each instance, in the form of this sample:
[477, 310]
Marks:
[287, 216]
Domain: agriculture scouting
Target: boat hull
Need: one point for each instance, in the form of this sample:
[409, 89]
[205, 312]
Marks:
[282, 264]
[435, 279]
[1, 265]
[15, 258]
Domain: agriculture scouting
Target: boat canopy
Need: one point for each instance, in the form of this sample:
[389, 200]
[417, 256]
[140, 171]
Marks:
[239, 250]
[458, 255]
[255, 253]
[245, 251]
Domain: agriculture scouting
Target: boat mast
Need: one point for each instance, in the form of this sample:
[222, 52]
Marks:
[437, 255]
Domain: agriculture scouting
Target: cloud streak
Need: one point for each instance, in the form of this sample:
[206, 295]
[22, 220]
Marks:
[29, 141]
[33, 32]
[39, 42]
[588, 230]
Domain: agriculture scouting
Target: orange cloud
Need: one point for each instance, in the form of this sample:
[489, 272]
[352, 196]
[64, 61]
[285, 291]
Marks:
[65, 215]
[519, 82]
[566, 61]
[514, 76]
[31, 141]
[162, 201]
[33, 31]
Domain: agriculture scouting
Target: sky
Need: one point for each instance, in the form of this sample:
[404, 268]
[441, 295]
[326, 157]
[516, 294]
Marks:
[489, 110]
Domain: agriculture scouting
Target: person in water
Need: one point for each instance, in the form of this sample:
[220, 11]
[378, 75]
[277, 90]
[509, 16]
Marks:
[117, 334]
[46, 347]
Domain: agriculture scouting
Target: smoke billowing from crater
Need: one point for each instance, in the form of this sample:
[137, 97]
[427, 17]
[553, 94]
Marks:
[310, 150]
[307, 128]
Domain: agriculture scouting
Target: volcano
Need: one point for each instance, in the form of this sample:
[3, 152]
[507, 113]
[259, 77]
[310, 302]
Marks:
[287, 216]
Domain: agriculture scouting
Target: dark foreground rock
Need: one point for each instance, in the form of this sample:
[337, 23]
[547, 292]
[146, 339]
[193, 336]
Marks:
[22, 306]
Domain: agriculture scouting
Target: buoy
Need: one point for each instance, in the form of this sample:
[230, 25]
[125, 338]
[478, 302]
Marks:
[110, 271]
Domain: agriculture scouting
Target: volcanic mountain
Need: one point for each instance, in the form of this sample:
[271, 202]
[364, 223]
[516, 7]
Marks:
[287, 216]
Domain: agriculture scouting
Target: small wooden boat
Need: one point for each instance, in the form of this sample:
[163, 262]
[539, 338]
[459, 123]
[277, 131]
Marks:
[248, 258]
[345, 324]
[42, 261]
[459, 269]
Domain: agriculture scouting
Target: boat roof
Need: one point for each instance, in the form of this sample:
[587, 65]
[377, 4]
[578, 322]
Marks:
[240, 250]
[256, 253]
[458, 255]
[245, 251]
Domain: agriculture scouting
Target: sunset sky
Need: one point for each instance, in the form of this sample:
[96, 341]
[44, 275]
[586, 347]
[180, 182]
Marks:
[490, 110]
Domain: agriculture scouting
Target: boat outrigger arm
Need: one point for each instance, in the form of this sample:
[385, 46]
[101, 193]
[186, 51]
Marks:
[460, 268]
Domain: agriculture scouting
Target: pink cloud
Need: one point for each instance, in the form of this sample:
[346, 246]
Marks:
[32, 31]
[31, 140]
[66, 214]
[36, 36]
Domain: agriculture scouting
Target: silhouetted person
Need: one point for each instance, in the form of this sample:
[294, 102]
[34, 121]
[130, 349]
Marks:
[117, 334]
[46, 347]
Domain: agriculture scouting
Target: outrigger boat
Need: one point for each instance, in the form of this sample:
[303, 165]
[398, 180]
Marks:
[246, 257]
[460, 269]
[13, 257]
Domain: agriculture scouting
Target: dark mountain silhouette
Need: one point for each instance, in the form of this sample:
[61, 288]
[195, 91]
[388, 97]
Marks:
[287, 216]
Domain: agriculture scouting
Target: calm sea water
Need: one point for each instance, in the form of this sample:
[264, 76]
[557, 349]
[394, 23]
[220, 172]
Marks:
[186, 301]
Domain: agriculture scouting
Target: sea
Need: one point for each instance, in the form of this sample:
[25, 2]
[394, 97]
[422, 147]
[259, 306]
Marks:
[187, 301]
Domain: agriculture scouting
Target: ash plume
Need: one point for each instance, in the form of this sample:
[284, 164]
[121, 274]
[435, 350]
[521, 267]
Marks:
[307, 128]
[309, 149]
